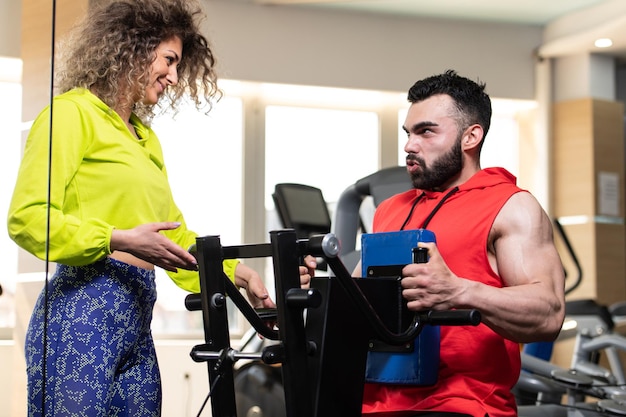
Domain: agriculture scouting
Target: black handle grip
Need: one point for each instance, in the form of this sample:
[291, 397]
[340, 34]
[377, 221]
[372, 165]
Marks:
[420, 255]
[193, 302]
[452, 317]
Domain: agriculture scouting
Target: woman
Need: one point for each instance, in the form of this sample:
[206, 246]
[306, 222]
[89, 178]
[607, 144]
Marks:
[111, 213]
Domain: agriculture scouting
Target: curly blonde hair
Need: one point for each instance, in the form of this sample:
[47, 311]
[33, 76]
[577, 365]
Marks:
[110, 52]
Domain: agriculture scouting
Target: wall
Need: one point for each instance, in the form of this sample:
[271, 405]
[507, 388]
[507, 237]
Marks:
[185, 382]
[315, 47]
[6, 382]
[10, 12]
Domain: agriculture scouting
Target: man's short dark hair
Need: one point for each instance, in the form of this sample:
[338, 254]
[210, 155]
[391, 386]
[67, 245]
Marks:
[472, 103]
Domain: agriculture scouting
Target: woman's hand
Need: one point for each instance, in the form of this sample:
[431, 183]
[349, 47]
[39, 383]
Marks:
[146, 243]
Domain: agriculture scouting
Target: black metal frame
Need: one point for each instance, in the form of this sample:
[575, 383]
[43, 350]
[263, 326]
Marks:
[323, 351]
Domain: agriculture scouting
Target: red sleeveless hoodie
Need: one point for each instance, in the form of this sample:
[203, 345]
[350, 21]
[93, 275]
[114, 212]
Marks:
[477, 367]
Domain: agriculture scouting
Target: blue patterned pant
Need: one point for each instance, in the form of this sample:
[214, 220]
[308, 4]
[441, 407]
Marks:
[100, 358]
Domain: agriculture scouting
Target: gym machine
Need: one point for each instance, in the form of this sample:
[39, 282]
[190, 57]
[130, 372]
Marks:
[324, 332]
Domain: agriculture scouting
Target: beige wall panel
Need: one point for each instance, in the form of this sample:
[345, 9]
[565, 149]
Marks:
[608, 137]
[589, 139]
[583, 242]
[36, 48]
[562, 352]
[573, 158]
[608, 133]
[611, 270]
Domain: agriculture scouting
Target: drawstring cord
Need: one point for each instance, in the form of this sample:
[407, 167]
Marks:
[432, 213]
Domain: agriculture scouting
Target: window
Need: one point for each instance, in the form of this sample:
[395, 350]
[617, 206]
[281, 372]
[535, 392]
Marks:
[325, 148]
[203, 156]
[11, 111]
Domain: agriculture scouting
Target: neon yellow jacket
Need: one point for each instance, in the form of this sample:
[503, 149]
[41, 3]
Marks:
[102, 178]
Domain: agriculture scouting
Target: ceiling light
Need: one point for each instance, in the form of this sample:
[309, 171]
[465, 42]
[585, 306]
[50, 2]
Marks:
[603, 43]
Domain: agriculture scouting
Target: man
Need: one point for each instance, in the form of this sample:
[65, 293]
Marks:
[494, 253]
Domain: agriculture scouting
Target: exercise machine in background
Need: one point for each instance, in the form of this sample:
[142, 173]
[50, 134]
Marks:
[586, 388]
[347, 220]
[303, 208]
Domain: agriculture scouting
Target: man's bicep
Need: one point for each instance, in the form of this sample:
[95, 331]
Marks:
[524, 248]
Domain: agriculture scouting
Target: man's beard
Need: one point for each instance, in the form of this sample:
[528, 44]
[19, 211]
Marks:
[442, 170]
